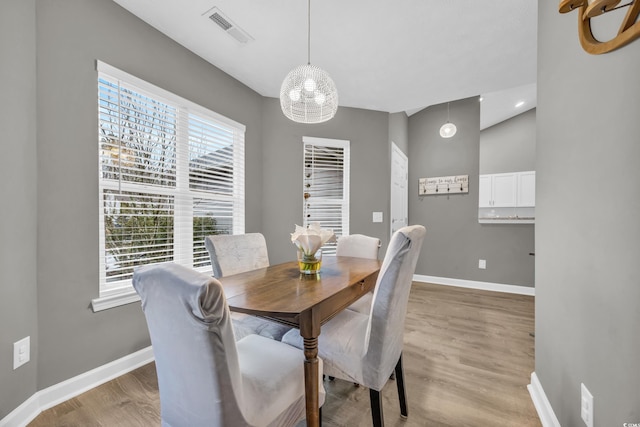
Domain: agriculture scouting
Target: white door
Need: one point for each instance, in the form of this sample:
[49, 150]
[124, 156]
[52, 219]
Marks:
[399, 188]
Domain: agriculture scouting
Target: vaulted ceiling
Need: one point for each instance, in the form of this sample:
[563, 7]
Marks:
[392, 56]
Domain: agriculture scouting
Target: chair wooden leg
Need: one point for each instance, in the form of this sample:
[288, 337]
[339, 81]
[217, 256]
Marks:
[376, 408]
[404, 412]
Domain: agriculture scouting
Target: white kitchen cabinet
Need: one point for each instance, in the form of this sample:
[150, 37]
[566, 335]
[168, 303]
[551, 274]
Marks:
[507, 198]
[526, 189]
[498, 190]
[485, 192]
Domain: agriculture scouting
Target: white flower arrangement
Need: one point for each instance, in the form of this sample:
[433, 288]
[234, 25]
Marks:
[309, 240]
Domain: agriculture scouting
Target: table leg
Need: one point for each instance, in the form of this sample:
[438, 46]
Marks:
[311, 381]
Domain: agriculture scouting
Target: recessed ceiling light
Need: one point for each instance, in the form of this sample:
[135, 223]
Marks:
[520, 104]
[481, 98]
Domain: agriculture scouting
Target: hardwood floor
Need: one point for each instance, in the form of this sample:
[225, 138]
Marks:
[468, 357]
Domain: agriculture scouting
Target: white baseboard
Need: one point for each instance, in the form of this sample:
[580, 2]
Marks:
[543, 407]
[23, 414]
[56, 394]
[472, 284]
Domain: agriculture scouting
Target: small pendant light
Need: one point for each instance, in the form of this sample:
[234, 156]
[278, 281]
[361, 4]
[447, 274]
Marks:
[448, 129]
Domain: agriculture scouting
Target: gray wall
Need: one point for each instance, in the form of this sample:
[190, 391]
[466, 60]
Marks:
[71, 35]
[509, 146]
[370, 188]
[587, 224]
[18, 221]
[455, 240]
[399, 130]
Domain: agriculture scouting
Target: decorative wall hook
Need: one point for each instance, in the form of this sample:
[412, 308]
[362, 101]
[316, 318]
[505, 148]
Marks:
[438, 185]
[629, 28]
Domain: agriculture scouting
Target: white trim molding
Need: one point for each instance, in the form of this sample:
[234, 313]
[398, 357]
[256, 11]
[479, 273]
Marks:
[110, 301]
[472, 284]
[543, 407]
[61, 392]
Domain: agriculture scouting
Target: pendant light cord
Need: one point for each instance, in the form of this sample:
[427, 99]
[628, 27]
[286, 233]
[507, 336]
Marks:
[309, 33]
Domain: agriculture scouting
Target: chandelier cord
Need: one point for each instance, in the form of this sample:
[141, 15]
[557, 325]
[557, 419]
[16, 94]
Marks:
[309, 33]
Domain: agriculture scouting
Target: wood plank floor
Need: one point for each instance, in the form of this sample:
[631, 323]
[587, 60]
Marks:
[468, 357]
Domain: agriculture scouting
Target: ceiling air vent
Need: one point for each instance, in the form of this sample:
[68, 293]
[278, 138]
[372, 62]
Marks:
[227, 25]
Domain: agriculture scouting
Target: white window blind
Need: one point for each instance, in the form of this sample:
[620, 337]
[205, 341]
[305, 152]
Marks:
[326, 185]
[170, 174]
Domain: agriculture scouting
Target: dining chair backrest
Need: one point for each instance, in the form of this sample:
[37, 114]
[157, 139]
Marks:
[390, 299]
[358, 245]
[193, 344]
[236, 253]
[233, 254]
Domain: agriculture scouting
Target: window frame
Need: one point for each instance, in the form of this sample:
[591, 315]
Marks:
[115, 293]
[329, 249]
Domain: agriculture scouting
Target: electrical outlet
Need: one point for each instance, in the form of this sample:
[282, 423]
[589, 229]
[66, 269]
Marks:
[482, 264]
[21, 352]
[586, 406]
[377, 217]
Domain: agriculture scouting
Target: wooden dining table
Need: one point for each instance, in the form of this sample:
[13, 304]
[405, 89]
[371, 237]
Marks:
[279, 292]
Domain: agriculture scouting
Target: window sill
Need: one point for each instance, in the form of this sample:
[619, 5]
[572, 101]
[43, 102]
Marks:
[111, 301]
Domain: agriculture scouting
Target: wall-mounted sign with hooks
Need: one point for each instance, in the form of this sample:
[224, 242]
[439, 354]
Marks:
[443, 185]
[589, 9]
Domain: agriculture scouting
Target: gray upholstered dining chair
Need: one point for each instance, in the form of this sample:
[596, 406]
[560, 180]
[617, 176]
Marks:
[367, 348]
[205, 378]
[236, 253]
[359, 246]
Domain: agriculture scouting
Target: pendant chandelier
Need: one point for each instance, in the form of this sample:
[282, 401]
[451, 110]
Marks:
[448, 129]
[308, 94]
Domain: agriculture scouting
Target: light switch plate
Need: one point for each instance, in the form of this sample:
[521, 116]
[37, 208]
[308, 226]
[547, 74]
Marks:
[21, 352]
[586, 405]
[482, 264]
[377, 217]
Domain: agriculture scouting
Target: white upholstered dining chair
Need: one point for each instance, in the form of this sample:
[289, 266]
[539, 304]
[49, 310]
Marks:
[359, 246]
[367, 348]
[236, 253]
[205, 378]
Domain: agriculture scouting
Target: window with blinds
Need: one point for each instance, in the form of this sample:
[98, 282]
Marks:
[170, 174]
[326, 185]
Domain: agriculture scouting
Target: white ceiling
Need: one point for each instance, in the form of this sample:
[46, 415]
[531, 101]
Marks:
[389, 56]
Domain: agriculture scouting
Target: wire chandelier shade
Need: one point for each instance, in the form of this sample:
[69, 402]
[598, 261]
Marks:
[308, 94]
